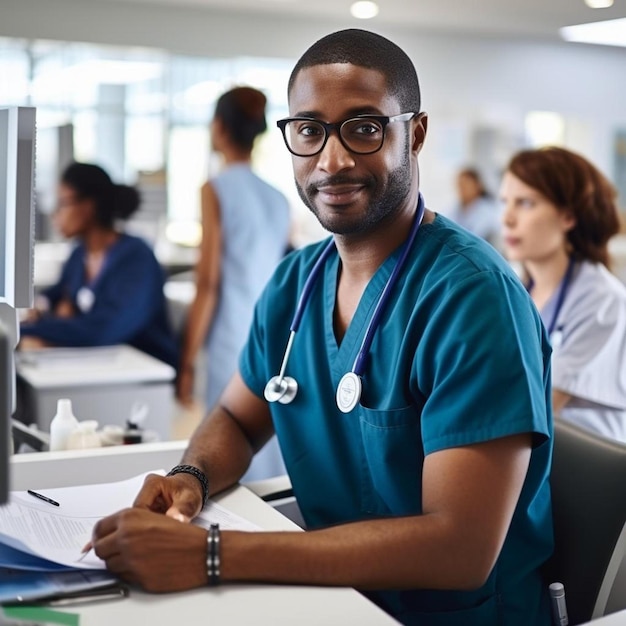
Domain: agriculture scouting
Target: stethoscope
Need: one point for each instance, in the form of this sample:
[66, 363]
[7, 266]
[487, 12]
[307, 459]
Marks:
[555, 337]
[284, 388]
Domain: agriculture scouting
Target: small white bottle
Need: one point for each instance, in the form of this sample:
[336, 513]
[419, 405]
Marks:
[62, 425]
[84, 436]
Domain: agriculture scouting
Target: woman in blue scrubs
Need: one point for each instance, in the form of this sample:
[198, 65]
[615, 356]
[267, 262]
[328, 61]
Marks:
[111, 287]
[560, 213]
[410, 393]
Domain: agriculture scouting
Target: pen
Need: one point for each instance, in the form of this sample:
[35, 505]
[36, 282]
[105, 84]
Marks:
[42, 497]
[85, 551]
[559, 610]
[106, 594]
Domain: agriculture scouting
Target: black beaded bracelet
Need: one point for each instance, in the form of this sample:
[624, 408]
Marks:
[199, 474]
[213, 555]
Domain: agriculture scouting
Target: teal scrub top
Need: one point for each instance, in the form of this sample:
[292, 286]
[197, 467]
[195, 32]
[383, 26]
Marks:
[460, 357]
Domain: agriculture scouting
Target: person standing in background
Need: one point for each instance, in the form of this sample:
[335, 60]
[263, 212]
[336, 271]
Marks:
[245, 225]
[560, 213]
[111, 287]
[476, 209]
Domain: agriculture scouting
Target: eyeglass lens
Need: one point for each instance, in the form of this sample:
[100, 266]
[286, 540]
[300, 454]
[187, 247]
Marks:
[361, 135]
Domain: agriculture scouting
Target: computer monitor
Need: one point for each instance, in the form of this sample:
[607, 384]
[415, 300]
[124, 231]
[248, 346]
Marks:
[17, 166]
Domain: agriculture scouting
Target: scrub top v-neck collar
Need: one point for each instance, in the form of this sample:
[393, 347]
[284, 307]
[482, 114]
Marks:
[341, 356]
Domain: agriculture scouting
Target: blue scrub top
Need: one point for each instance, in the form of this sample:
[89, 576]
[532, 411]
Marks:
[127, 304]
[460, 357]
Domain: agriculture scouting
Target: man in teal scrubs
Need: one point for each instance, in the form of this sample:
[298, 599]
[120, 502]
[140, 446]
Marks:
[431, 493]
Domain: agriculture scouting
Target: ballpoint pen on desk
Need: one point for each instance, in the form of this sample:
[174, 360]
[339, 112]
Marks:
[97, 595]
[42, 497]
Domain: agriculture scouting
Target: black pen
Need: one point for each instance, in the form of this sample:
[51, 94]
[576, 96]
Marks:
[44, 498]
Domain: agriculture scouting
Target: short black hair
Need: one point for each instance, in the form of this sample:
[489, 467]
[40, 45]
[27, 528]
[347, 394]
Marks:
[112, 201]
[369, 50]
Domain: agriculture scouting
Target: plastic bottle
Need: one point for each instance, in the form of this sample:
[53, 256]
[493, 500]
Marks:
[84, 436]
[62, 425]
[134, 432]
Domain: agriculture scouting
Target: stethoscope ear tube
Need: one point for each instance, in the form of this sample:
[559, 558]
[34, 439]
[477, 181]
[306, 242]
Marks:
[283, 388]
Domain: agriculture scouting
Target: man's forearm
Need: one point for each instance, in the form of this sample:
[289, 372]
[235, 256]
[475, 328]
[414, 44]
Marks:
[220, 449]
[401, 553]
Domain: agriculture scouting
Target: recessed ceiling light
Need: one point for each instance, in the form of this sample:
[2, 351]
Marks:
[599, 4]
[364, 9]
[607, 32]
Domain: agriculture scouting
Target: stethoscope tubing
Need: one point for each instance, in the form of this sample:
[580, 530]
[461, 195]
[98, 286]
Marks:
[359, 363]
[560, 299]
[283, 388]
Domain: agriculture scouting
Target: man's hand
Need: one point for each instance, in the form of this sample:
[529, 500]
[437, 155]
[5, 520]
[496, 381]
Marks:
[153, 551]
[178, 497]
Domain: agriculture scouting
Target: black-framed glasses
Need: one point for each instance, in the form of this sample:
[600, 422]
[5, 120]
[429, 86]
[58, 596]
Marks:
[362, 134]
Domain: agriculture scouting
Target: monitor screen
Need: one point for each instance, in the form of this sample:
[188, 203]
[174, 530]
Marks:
[17, 165]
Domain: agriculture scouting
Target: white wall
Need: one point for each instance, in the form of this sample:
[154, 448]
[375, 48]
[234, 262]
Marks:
[468, 83]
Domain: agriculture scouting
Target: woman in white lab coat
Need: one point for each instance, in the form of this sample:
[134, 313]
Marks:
[559, 214]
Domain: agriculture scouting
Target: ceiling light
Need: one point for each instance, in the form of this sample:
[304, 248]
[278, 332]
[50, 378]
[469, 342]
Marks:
[607, 33]
[364, 9]
[599, 4]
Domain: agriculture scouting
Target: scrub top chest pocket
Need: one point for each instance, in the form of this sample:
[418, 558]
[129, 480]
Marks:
[393, 457]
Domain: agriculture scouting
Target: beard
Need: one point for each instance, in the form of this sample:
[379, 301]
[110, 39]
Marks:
[385, 200]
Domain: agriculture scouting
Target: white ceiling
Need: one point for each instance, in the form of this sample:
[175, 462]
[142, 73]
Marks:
[534, 18]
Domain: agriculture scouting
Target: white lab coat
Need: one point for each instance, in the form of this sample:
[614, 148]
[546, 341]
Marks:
[589, 343]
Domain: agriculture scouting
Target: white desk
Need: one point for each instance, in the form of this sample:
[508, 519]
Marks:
[234, 605]
[103, 383]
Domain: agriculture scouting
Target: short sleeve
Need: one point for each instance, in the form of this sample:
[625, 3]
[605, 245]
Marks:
[483, 365]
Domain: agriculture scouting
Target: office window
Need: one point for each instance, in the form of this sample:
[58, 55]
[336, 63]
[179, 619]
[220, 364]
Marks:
[144, 116]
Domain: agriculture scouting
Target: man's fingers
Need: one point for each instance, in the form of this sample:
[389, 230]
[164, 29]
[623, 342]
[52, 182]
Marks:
[174, 513]
[104, 527]
[152, 495]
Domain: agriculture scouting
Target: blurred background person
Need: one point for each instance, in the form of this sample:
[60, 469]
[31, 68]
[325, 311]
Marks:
[111, 287]
[245, 233]
[559, 214]
[476, 209]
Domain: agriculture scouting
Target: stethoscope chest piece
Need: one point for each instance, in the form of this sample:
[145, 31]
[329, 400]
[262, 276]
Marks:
[85, 299]
[348, 392]
[281, 389]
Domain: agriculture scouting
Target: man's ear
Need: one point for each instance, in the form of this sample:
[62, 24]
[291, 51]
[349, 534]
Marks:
[420, 125]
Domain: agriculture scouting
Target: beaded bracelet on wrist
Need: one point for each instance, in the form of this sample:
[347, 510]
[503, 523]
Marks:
[199, 474]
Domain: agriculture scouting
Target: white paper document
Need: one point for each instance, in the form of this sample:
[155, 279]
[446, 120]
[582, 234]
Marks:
[58, 533]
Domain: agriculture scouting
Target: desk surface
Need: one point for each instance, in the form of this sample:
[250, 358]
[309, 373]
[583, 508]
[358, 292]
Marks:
[233, 605]
[57, 367]
[242, 604]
